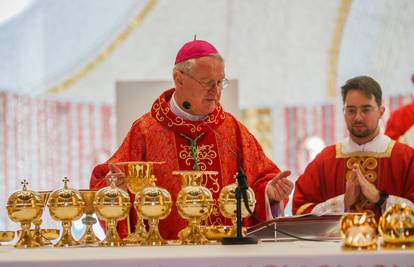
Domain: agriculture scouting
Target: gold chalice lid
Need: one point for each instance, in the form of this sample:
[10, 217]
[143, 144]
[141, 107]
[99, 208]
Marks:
[112, 195]
[65, 196]
[24, 198]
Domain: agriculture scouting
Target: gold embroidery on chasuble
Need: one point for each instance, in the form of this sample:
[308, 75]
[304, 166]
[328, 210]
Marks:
[205, 155]
[163, 112]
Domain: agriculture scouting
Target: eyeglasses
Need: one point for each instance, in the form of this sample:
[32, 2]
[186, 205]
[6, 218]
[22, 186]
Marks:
[208, 85]
[352, 111]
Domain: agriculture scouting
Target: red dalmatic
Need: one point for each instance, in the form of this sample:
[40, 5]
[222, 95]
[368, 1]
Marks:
[219, 141]
[400, 121]
[325, 177]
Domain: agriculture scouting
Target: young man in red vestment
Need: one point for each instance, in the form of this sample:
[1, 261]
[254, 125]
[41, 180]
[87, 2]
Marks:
[367, 170]
[400, 125]
[188, 129]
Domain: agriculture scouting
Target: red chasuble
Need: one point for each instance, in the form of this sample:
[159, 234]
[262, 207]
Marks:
[158, 136]
[400, 121]
[325, 177]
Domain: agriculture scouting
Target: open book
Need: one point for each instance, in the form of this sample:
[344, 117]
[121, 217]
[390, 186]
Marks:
[299, 227]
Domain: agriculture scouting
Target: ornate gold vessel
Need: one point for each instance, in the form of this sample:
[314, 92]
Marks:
[396, 226]
[88, 238]
[25, 206]
[153, 203]
[38, 233]
[6, 236]
[112, 204]
[66, 205]
[228, 204]
[194, 203]
[359, 231]
[139, 175]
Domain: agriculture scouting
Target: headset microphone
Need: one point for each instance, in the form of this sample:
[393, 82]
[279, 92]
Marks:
[186, 105]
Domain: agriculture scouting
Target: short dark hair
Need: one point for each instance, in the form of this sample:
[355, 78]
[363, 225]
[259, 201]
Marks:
[367, 85]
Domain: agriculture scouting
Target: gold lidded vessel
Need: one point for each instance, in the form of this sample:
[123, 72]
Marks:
[66, 205]
[25, 206]
[396, 226]
[194, 203]
[111, 205]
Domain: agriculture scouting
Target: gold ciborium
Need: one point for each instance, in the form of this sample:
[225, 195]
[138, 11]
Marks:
[396, 226]
[24, 207]
[153, 203]
[194, 203]
[37, 232]
[66, 205]
[111, 205]
[359, 231]
[6, 236]
[228, 205]
[88, 238]
[139, 175]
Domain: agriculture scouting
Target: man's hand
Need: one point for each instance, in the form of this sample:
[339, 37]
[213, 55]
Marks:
[352, 190]
[114, 171]
[367, 189]
[279, 187]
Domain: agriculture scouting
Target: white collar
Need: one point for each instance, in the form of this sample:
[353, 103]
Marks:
[176, 109]
[377, 145]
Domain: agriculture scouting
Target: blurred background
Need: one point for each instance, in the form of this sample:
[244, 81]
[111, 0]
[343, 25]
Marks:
[67, 66]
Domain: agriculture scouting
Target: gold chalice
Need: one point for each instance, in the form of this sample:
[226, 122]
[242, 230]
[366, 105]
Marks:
[359, 231]
[139, 175]
[38, 233]
[153, 203]
[228, 205]
[88, 238]
[6, 236]
[396, 226]
[66, 205]
[24, 207]
[112, 204]
[194, 203]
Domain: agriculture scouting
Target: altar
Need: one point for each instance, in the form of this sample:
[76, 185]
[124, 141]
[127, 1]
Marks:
[265, 254]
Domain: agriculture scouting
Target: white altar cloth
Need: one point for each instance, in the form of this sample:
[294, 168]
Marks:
[296, 253]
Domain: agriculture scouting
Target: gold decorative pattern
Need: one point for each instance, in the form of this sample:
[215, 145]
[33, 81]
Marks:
[386, 154]
[303, 208]
[215, 213]
[366, 165]
[101, 57]
[336, 45]
[205, 153]
[368, 168]
[164, 113]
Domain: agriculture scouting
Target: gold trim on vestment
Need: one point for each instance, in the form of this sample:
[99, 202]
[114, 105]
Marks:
[162, 113]
[385, 154]
[303, 208]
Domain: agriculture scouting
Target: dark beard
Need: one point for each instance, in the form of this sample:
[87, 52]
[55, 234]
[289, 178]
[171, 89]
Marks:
[362, 134]
[367, 132]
